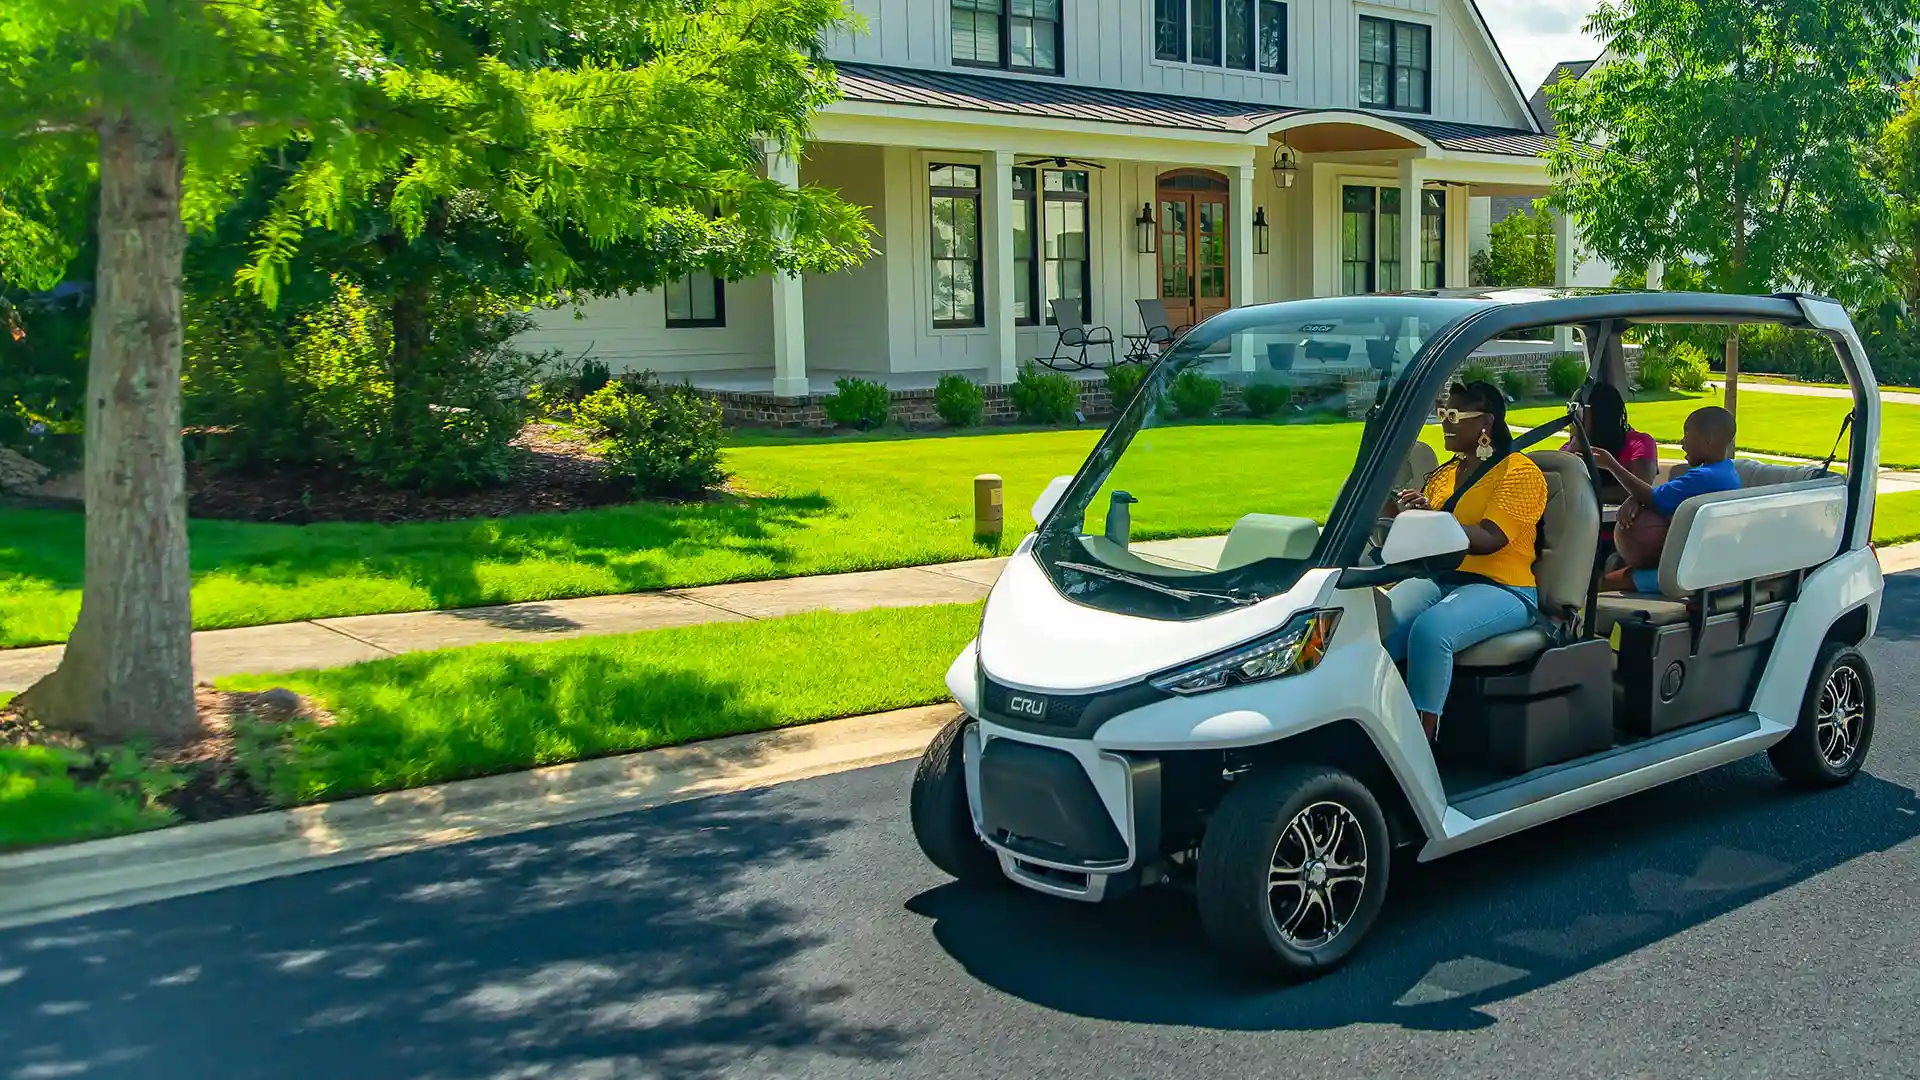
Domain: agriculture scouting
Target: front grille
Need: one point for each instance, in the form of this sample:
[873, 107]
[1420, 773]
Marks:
[1063, 710]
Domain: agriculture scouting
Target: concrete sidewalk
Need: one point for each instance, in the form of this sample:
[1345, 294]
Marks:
[1889, 397]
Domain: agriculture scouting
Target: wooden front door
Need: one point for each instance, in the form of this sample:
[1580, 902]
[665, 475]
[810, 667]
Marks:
[1193, 224]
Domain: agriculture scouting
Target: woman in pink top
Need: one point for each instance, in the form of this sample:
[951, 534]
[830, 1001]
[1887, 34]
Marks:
[1605, 419]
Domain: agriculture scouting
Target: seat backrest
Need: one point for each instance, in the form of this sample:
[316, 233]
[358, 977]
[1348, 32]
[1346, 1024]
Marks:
[1569, 533]
[1153, 315]
[1755, 474]
[1751, 533]
[1420, 461]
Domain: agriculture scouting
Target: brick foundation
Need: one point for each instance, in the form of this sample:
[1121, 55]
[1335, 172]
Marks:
[915, 408]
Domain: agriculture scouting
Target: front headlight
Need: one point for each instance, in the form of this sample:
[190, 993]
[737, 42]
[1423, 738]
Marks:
[1297, 648]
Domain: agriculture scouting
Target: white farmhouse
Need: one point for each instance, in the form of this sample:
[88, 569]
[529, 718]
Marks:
[1202, 153]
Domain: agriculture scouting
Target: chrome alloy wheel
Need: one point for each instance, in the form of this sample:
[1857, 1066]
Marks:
[1318, 875]
[1842, 712]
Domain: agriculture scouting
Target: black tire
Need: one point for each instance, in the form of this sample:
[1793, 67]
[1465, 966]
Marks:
[1830, 741]
[1252, 831]
[942, 818]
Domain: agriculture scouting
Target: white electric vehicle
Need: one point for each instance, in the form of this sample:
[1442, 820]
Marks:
[1222, 713]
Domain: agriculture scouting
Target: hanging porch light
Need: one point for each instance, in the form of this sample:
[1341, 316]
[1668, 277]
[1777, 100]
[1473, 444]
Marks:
[1286, 166]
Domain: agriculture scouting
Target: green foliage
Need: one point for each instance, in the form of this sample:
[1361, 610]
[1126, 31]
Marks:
[43, 361]
[1566, 375]
[959, 400]
[1515, 384]
[1520, 250]
[1048, 397]
[1687, 363]
[665, 437]
[858, 403]
[1477, 371]
[319, 390]
[1195, 394]
[1656, 374]
[1727, 132]
[1123, 382]
[1266, 399]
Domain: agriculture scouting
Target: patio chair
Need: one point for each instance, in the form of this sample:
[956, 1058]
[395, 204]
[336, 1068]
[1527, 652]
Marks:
[1075, 336]
[1160, 331]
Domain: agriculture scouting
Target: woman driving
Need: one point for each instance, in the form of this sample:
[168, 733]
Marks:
[1493, 592]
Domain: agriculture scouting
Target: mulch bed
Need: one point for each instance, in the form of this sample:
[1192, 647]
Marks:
[558, 471]
[212, 784]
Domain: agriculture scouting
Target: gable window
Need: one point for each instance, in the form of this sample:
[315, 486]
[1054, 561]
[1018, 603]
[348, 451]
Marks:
[1396, 65]
[1017, 35]
[955, 191]
[1249, 35]
[699, 299]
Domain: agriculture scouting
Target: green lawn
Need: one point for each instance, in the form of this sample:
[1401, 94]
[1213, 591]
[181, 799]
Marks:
[823, 505]
[1896, 518]
[425, 718]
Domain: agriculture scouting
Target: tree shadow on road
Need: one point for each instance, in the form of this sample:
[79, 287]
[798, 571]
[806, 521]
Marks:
[623, 948]
[1457, 935]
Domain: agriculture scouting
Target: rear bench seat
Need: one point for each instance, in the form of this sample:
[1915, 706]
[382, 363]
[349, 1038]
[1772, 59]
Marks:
[1800, 508]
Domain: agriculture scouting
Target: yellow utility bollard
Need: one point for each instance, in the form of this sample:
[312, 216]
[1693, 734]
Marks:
[988, 508]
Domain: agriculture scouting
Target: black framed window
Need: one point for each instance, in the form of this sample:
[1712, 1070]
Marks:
[1026, 241]
[1273, 37]
[956, 244]
[1356, 239]
[1206, 32]
[1387, 278]
[1052, 248]
[1018, 35]
[1396, 65]
[1170, 30]
[1433, 239]
[699, 299]
[1250, 35]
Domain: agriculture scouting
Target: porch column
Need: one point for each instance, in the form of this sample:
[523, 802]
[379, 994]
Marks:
[996, 255]
[1563, 237]
[1411, 179]
[1240, 257]
[789, 306]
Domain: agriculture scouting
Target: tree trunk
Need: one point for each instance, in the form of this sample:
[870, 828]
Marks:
[128, 667]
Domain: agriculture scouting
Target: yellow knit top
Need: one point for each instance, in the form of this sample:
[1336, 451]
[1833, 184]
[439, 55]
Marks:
[1514, 497]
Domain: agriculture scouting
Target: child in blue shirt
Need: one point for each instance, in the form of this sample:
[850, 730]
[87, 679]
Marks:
[1708, 443]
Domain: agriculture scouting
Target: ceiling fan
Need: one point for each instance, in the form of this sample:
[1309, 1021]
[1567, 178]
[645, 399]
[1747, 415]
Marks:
[1060, 163]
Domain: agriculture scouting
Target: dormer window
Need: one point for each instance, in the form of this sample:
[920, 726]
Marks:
[1013, 35]
[1248, 35]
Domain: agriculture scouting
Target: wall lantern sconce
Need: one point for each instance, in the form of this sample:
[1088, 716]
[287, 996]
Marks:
[1286, 166]
[1145, 231]
[1260, 231]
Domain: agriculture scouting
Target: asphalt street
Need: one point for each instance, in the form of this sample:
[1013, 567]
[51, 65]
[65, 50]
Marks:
[1723, 926]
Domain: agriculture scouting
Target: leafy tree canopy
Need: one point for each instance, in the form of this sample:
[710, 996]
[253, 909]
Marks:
[1726, 132]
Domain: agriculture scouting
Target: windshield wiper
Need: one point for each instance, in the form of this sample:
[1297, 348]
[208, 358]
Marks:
[1154, 586]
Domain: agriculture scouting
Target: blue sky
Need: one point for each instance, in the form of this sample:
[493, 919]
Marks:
[1537, 34]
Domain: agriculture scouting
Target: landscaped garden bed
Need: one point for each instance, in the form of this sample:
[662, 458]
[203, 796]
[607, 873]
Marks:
[427, 718]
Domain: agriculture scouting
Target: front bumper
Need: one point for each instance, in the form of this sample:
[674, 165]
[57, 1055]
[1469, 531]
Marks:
[1063, 816]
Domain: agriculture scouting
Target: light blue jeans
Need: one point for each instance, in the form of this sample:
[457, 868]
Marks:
[1432, 622]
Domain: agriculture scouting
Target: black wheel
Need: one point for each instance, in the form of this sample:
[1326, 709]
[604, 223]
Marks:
[1293, 870]
[1829, 743]
[942, 818]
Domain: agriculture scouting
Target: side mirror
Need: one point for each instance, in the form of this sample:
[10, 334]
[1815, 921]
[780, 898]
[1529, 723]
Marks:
[1050, 498]
[1419, 542]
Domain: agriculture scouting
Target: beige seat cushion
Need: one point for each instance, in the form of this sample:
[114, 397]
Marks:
[1505, 650]
[1615, 608]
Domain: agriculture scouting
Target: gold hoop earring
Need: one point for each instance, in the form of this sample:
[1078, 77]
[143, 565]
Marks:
[1485, 449]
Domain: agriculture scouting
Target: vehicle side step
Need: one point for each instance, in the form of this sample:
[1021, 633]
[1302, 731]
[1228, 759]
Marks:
[1540, 784]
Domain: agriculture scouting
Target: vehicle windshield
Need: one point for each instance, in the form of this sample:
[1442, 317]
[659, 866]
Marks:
[1210, 489]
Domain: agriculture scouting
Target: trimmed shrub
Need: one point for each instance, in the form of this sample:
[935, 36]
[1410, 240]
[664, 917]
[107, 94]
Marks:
[858, 404]
[1656, 374]
[1687, 365]
[1477, 371]
[1566, 375]
[1266, 399]
[666, 439]
[1195, 394]
[1515, 384]
[1123, 382]
[1044, 397]
[959, 400]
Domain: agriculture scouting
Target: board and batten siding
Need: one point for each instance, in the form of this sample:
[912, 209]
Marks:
[1109, 43]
